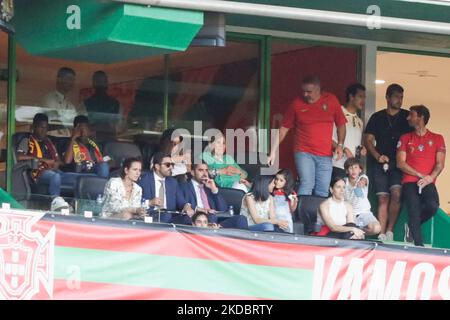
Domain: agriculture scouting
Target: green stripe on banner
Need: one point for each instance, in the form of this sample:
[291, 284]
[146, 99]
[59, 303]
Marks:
[197, 275]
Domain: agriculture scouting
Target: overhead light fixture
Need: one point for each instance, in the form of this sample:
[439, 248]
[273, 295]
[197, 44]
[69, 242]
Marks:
[379, 81]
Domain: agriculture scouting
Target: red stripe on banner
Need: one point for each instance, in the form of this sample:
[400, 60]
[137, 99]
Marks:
[107, 291]
[170, 243]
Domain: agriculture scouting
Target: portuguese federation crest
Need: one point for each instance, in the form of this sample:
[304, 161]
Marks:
[26, 256]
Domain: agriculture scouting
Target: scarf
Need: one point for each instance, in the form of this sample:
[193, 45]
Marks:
[81, 152]
[34, 149]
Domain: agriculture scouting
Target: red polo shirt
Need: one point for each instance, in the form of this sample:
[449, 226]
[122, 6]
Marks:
[420, 152]
[314, 123]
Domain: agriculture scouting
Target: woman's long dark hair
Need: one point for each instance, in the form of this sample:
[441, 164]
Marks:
[260, 187]
[290, 182]
[166, 143]
[127, 165]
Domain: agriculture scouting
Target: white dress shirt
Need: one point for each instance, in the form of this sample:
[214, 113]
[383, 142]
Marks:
[158, 180]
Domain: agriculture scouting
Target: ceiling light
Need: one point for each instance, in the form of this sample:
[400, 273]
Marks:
[379, 81]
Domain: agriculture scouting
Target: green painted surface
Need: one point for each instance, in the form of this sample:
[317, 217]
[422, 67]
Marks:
[107, 32]
[170, 272]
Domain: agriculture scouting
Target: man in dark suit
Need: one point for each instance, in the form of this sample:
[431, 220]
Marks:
[162, 190]
[204, 196]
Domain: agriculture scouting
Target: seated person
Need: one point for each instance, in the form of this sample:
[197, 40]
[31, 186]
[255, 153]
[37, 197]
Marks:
[228, 174]
[285, 197]
[258, 208]
[204, 196]
[162, 191]
[356, 191]
[122, 194]
[173, 144]
[336, 215]
[83, 152]
[201, 220]
[41, 150]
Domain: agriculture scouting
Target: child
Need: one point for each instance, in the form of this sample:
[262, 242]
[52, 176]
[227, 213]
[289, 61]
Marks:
[257, 207]
[356, 190]
[285, 198]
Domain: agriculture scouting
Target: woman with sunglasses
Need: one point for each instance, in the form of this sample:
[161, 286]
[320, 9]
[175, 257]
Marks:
[122, 194]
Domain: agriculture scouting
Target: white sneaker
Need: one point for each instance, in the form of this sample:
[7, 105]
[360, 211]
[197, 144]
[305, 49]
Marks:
[389, 236]
[59, 203]
[382, 237]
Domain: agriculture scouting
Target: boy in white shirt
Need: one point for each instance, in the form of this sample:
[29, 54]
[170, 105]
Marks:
[356, 191]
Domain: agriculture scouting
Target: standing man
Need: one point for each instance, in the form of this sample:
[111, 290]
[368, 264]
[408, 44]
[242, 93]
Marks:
[421, 157]
[356, 98]
[313, 116]
[162, 190]
[59, 102]
[385, 128]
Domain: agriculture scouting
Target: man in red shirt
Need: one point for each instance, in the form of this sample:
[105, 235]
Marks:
[421, 157]
[312, 117]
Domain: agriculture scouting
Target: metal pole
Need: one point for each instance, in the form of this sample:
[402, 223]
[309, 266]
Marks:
[292, 13]
[11, 110]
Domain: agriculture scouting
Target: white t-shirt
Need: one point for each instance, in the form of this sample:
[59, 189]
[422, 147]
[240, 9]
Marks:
[354, 129]
[338, 213]
[358, 199]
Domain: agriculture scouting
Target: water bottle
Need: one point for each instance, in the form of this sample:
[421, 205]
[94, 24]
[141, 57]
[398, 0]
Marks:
[231, 210]
[145, 204]
[99, 200]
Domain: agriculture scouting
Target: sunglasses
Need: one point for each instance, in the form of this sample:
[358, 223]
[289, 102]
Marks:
[168, 164]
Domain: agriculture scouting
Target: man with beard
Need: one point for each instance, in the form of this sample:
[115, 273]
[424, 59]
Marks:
[381, 137]
[313, 116]
[163, 192]
[421, 157]
[356, 99]
[201, 191]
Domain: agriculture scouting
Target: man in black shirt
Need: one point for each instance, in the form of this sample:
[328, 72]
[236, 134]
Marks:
[103, 110]
[381, 137]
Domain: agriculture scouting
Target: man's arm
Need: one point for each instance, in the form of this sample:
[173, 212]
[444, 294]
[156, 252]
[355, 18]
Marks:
[341, 131]
[404, 167]
[439, 166]
[283, 132]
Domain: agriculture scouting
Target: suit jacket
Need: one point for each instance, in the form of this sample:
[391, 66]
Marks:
[216, 201]
[173, 194]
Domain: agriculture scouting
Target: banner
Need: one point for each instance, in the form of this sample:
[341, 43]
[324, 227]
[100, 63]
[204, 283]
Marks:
[71, 257]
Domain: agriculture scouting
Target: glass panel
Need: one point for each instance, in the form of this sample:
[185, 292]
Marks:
[124, 102]
[291, 62]
[3, 105]
[218, 86]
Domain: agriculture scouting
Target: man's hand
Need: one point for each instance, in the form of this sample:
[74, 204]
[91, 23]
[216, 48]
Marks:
[422, 183]
[383, 159]
[48, 162]
[348, 153]
[76, 133]
[188, 210]
[339, 152]
[211, 185]
[270, 159]
[357, 233]
[156, 202]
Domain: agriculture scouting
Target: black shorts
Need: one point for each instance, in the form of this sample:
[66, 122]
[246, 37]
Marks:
[385, 181]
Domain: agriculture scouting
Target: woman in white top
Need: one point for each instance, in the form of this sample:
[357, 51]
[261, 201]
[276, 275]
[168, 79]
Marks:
[258, 207]
[123, 195]
[336, 215]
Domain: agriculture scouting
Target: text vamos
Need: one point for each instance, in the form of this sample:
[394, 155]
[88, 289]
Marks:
[360, 279]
